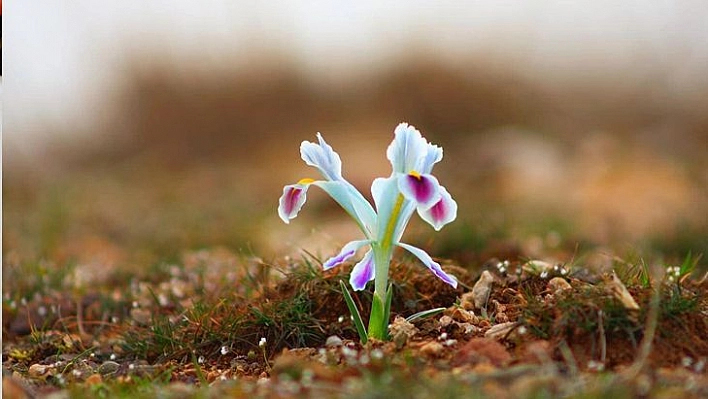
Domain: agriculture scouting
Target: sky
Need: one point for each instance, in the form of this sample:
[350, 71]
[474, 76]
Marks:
[66, 60]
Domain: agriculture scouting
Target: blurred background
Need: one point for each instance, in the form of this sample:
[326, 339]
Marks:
[135, 131]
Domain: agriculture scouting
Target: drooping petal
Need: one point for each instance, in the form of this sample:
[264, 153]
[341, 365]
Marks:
[323, 157]
[363, 272]
[353, 203]
[345, 253]
[430, 264]
[442, 212]
[292, 200]
[424, 190]
[407, 149]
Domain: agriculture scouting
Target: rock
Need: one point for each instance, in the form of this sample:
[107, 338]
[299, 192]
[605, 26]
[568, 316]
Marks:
[500, 331]
[558, 284]
[467, 301]
[41, 371]
[500, 312]
[401, 331]
[481, 290]
[462, 315]
[445, 321]
[617, 288]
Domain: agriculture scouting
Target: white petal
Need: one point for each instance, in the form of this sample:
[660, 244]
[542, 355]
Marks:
[363, 272]
[323, 157]
[407, 149]
[442, 212]
[345, 253]
[386, 196]
[433, 155]
[430, 264]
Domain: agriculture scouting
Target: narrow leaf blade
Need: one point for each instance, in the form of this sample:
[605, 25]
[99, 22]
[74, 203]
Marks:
[358, 323]
[424, 314]
[387, 309]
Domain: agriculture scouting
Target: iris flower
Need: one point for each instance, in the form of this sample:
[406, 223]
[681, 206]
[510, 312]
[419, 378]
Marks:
[410, 188]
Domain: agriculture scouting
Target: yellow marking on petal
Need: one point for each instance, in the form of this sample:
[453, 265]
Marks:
[414, 174]
[387, 240]
[306, 180]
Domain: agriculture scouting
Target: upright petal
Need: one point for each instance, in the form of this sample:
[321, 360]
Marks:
[443, 212]
[393, 209]
[323, 157]
[424, 190]
[433, 155]
[345, 253]
[292, 200]
[430, 264]
[363, 272]
[407, 149]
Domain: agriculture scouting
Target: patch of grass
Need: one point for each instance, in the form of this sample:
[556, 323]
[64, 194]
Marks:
[35, 277]
[285, 317]
[578, 311]
[286, 322]
[676, 302]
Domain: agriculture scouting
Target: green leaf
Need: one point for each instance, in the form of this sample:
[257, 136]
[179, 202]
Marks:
[358, 323]
[424, 314]
[387, 310]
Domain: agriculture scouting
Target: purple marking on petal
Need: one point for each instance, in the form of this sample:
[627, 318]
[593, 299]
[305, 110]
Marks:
[437, 271]
[442, 212]
[336, 260]
[438, 211]
[363, 272]
[423, 189]
[291, 199]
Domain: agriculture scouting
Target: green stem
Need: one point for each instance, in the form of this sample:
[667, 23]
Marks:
[378, 325]
[383, 250]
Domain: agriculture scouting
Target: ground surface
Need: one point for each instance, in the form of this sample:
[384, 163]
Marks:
[139, 280]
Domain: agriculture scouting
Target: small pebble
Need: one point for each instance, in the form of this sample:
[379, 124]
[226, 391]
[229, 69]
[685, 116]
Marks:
[108, 367]
[333, 341]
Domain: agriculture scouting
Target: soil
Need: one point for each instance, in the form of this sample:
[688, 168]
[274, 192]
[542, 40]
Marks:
[51, 343]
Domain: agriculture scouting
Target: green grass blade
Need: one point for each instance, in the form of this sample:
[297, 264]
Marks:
[689, 264]
[424, 314]
[358, 323]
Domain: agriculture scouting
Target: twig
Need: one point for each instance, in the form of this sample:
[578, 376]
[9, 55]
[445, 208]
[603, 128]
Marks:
[80, 318]
[603, 338]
